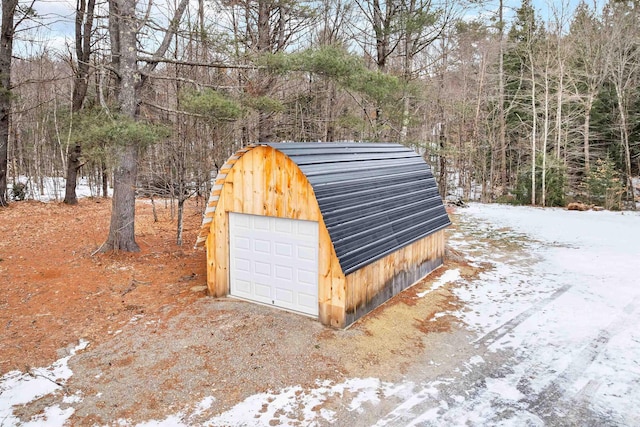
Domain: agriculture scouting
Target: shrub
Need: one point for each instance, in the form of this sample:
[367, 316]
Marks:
[555, 183]
[19, 191]
[604, 185]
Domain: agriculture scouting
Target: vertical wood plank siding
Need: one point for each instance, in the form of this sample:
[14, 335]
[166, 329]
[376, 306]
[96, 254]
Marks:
[265, 182]
[375, 283]
[261, 180]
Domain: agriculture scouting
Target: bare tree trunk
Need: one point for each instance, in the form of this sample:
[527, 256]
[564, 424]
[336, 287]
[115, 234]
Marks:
[73, 166]
[104, 173]
[181, 200]
[406, 103]
[624, 139]
[502, 131]
[586, 136]
[559, 107]
[443, 163]
[84, 25]
[130, 81]
[381, 22]
[545, 135]
[534, 115]
[6, 51]
[122, 226]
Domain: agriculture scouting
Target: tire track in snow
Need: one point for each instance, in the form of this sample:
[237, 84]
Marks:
[507, 327]
[546, 402]
[556, 404]
[425, 405]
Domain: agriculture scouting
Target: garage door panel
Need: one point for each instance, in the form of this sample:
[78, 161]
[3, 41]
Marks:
[243, 286]
[306, 277]
[243, 265]
[262, 246]
[243, 221]
[307, 300]
[283, 272]
[283, 249]
[261, 222]
[306, 228]
[274, 261]
[263, 290]
[283, 227]
[262, 268]
[242, 243]
[306, 253]
[284, 296]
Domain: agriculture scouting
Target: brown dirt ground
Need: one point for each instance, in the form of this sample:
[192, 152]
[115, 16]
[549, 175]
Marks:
[54, 291]
[156, 337]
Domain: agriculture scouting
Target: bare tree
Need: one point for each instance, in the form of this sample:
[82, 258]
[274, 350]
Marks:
[422, 22]
[260, 28]
[6, 50]
[624, 60]
[589, 68]
[83, 40]
[124, 28]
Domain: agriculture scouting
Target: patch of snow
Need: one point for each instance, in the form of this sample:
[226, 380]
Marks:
[74, 398]
[476, 360]
[553, 312]
[53, 188]
[503, 389]
[438, 315]
[565, 310]
[291, 405]
[447, 277]
[295, 403]
[53, 416]
[204, 405]
[19, 388]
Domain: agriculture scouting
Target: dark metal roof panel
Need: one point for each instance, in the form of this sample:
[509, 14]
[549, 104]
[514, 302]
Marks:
[374, 198]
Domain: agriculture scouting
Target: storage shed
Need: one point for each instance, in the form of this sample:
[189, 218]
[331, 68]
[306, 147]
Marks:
[330, 230]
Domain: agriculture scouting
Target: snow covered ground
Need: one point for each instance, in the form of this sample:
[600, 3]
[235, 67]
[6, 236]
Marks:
[552, 337]
[556, 331]
[18, 388]
[52, 188]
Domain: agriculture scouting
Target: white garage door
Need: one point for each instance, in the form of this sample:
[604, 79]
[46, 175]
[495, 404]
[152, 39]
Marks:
[274, 261]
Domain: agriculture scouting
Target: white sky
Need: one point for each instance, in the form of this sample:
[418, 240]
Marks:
[58, 17]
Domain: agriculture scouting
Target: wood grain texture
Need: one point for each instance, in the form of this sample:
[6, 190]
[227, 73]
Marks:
[377, 282]
[261, 180]
[264, 181]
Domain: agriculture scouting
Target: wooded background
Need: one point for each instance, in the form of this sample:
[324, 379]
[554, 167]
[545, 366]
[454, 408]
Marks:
[505, 104]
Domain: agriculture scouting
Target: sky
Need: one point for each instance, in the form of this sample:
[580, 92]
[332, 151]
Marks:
[58, 15]
[548, 10]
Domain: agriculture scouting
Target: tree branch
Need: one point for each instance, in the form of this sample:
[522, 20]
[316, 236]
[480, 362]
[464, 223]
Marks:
[156, 60]
[168, 35]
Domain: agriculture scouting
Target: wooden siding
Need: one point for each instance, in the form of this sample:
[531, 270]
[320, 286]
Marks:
[376, 283]
[263, 181]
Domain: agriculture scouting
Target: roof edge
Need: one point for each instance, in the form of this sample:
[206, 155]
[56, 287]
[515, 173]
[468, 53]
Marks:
[216, 190]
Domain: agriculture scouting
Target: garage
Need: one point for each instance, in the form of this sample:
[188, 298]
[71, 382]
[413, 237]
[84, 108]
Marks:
[329, 230]
[274, 261]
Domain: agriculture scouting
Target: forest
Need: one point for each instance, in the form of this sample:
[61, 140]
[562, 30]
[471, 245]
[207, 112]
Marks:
[506, 103]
